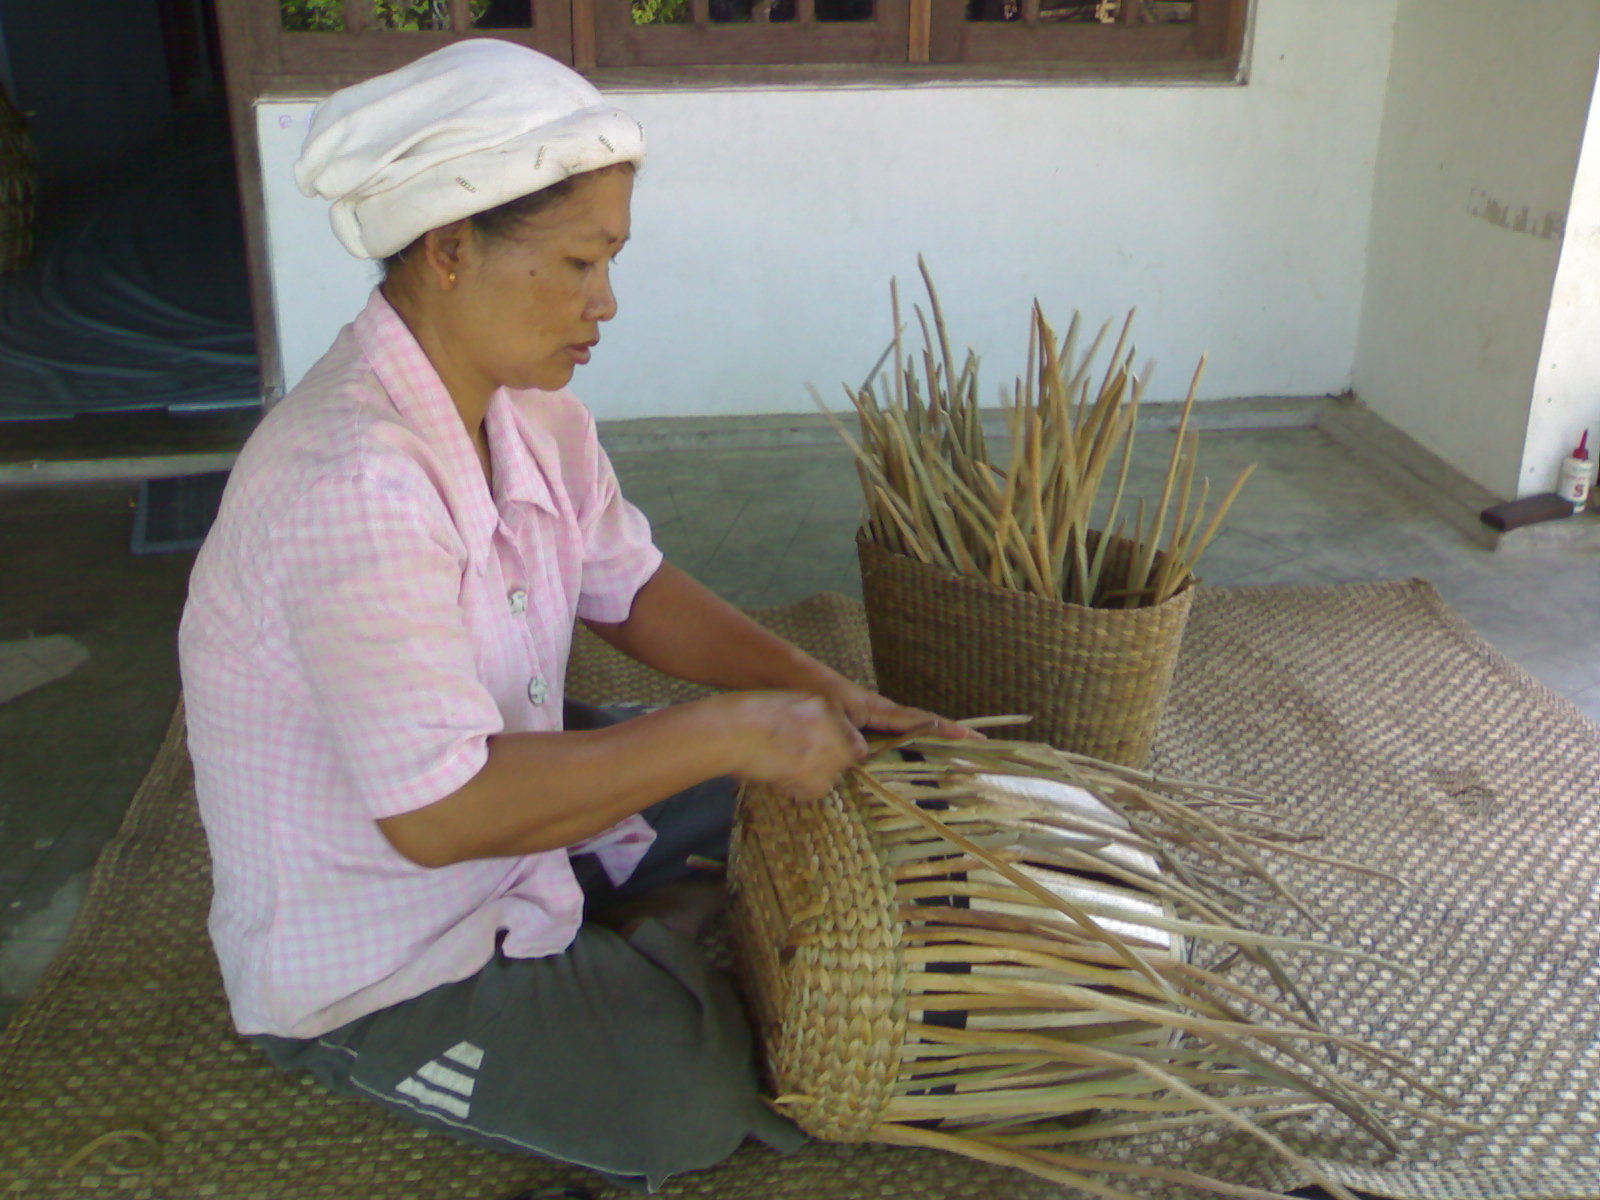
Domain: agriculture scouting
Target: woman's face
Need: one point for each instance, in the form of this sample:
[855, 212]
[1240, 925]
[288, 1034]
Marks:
[529, 306]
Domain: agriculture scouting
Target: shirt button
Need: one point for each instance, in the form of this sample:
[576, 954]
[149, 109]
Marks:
[519, 602]
[538, 689]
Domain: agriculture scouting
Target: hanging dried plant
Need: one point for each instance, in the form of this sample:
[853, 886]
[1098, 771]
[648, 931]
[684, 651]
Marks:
[19, 179]
[1023, 520]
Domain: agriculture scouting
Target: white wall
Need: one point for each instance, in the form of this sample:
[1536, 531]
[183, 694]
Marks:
[1487, 103]
[1566, 391]
[767, 224]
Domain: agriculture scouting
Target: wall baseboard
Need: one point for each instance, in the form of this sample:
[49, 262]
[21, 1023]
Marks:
[785, 430]
[1441, 488]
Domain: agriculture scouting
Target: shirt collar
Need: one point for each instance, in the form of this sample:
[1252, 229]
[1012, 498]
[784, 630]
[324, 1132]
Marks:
[525, 454]
[419, 396]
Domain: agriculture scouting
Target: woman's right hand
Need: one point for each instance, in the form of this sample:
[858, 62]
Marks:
[796, 744]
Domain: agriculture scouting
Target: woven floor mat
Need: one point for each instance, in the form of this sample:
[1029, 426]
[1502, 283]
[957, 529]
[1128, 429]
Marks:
[1381, 719]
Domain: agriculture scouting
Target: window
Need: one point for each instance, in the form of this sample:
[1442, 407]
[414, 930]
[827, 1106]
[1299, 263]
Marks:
[910, 32]
[659, 33]
[1197, 33]
[321, 43]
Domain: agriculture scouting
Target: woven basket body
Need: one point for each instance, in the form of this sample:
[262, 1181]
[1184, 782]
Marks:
[845, 915]
[1094, 679]
[18, 182]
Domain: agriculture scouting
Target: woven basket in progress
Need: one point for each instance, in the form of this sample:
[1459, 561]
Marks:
[993, 958]
[844, 908]
[1095, 680]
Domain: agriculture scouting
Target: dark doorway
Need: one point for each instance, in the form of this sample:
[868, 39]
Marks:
[136, 299]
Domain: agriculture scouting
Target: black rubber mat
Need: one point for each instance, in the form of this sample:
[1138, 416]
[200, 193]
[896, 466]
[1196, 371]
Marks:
[176, 513]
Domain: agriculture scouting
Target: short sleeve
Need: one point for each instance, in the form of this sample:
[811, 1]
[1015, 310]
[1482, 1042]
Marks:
[619, 556]
[369, 572]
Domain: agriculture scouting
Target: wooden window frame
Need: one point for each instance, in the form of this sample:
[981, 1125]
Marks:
[1215, 38]
[802, 42]
[919, 34]
[909, 42]
[599, 38]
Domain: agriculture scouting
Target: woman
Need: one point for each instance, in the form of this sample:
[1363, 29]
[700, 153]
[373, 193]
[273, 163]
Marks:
[437, 884]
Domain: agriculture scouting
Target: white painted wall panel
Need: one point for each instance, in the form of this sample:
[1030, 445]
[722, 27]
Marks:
[1566, 391]
[1487, 104]
[767, 224]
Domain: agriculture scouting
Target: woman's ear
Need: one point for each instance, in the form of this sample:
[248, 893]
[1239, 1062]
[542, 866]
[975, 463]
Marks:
[443, 252]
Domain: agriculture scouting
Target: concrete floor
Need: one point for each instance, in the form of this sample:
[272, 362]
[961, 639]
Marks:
[762, 527]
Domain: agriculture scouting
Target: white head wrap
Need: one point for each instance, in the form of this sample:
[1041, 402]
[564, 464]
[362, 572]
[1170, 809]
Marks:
[459, 131]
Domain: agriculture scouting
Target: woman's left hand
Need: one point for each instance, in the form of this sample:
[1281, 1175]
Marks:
[869, 711]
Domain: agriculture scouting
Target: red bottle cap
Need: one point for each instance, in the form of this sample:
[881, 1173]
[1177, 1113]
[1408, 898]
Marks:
[1582, 452]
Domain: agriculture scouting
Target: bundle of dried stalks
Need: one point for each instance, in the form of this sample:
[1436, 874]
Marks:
[986, 949]
[934, 492]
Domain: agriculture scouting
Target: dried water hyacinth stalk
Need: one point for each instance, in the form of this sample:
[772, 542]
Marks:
[1022, 520]
[1051, 1003]
[18, 184]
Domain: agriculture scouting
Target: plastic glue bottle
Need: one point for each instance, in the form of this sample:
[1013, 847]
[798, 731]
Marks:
[1575, 475]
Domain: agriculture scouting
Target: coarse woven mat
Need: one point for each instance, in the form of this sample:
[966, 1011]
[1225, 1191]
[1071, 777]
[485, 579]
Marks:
[1377, 715]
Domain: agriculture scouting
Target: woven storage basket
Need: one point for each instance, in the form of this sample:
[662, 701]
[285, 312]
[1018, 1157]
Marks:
[1094, 679]
[840, 912]
[18, 183]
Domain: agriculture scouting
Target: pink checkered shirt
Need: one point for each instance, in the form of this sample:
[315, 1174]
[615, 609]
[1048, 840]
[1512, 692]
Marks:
[364, 615]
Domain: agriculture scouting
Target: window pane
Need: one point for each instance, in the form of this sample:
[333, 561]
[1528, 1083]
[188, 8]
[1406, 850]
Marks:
[1076, 11]
[502, 14]
[411, 14]
[744, 12]
[312, 16]
[1101, 13]
[660, 12]
[1165, 11]
[844, 10]
[1097, 12]
[747, 12]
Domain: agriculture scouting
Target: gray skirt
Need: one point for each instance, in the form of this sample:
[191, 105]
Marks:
[628, 1056]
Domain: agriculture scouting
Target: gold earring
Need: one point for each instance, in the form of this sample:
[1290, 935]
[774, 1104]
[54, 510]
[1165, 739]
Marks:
[452, 276]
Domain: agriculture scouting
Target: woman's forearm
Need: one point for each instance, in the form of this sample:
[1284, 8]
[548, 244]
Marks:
[790, 722]
[543, 791]
[683, 629]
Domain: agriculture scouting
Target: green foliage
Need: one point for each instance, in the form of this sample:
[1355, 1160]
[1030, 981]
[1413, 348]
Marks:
[327, 16]
[660, 12]
[312, 16]
[411, 14]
